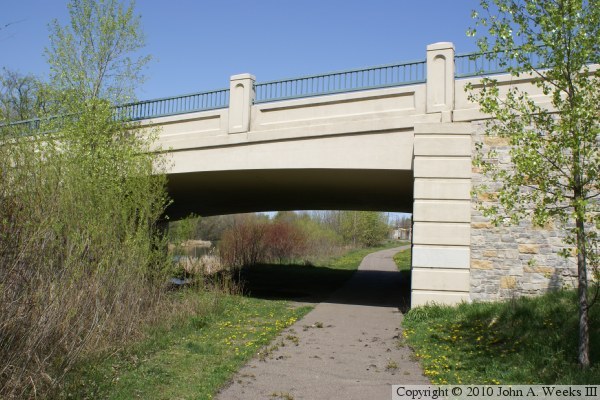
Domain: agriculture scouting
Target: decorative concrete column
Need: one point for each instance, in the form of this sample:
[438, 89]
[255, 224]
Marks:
[441, 213]
[241, 98]
[440, 79]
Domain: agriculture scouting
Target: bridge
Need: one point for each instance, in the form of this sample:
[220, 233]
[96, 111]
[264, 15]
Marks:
[395, 137]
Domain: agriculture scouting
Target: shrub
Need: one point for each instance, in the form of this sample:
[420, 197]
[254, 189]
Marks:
[284, 241]
[80, 261]
[243, 243]
[252, 240]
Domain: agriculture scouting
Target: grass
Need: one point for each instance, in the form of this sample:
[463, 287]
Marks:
[191, 360]
[402, 260]
[195, 357]
[522, 341]
[352, 259]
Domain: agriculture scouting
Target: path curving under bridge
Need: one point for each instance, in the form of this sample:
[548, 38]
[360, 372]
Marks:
[350, 356]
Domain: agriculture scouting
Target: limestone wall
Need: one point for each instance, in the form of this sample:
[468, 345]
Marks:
[515, 260]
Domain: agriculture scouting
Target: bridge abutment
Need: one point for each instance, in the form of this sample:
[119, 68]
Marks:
[441, 213]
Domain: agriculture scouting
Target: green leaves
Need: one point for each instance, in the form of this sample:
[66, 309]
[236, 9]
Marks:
[553, 149]
[548, 168]
[366, 228]
[94, 56]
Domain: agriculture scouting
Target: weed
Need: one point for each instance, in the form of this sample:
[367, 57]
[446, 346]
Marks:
[282, 395]
[391, 365]
[401, 342]
[294, 339]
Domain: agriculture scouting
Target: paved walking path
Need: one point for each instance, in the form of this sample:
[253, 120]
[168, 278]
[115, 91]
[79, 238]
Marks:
[346, 347]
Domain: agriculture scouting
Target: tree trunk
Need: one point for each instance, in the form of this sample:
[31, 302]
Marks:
[584, 335]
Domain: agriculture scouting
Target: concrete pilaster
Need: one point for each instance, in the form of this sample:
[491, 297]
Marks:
[241, 97]
[440, 79]
[441, 213]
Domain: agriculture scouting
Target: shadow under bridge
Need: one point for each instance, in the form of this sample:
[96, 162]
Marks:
[239, 191]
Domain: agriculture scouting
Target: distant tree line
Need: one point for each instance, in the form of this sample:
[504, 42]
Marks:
[288, 236]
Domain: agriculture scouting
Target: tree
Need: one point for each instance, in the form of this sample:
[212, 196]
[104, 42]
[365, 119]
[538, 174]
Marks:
[81, 261]
[93, 57]
[365, 228]
[21, 96]
[554, 151]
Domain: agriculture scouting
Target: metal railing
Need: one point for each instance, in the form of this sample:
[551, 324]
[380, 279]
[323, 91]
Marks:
[166, 106]
[25, 125]
[489, 63]
[398, 74]
[147, 109]
[343, 81]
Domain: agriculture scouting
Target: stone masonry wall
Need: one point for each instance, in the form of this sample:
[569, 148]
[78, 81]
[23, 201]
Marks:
[509, 261]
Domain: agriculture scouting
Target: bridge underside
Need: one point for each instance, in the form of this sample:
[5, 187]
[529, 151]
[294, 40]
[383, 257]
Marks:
[229, 192]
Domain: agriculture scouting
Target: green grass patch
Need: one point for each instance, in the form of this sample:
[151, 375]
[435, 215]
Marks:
[402, 260]
[522, 341]
[403, 263]
[352, 259]
[192, 360]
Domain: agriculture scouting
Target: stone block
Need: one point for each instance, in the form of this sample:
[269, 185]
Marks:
[490, 253]
[495, 141]
[508, 282]
[529, 248]
[442, 167]
[450, 189]
[422, 297]
[441, 257]
[439, 279]
[442, 211]
[492, 196]
[438, 145]
[442, 233]
[539, 269]
[482, 264]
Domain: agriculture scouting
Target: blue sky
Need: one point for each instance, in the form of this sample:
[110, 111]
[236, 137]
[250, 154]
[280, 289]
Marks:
[198, 44]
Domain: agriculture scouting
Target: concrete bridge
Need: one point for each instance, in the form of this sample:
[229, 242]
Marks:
[390, 138]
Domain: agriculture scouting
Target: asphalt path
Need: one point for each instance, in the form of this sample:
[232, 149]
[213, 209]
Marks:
[345, 348]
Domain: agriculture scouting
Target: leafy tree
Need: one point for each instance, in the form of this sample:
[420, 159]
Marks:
[95, 56]
[366, 228]
[212, 228]
[554, 151]
[184, 229]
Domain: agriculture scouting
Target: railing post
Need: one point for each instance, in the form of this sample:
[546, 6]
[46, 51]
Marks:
[241, 97]
[440, 79]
